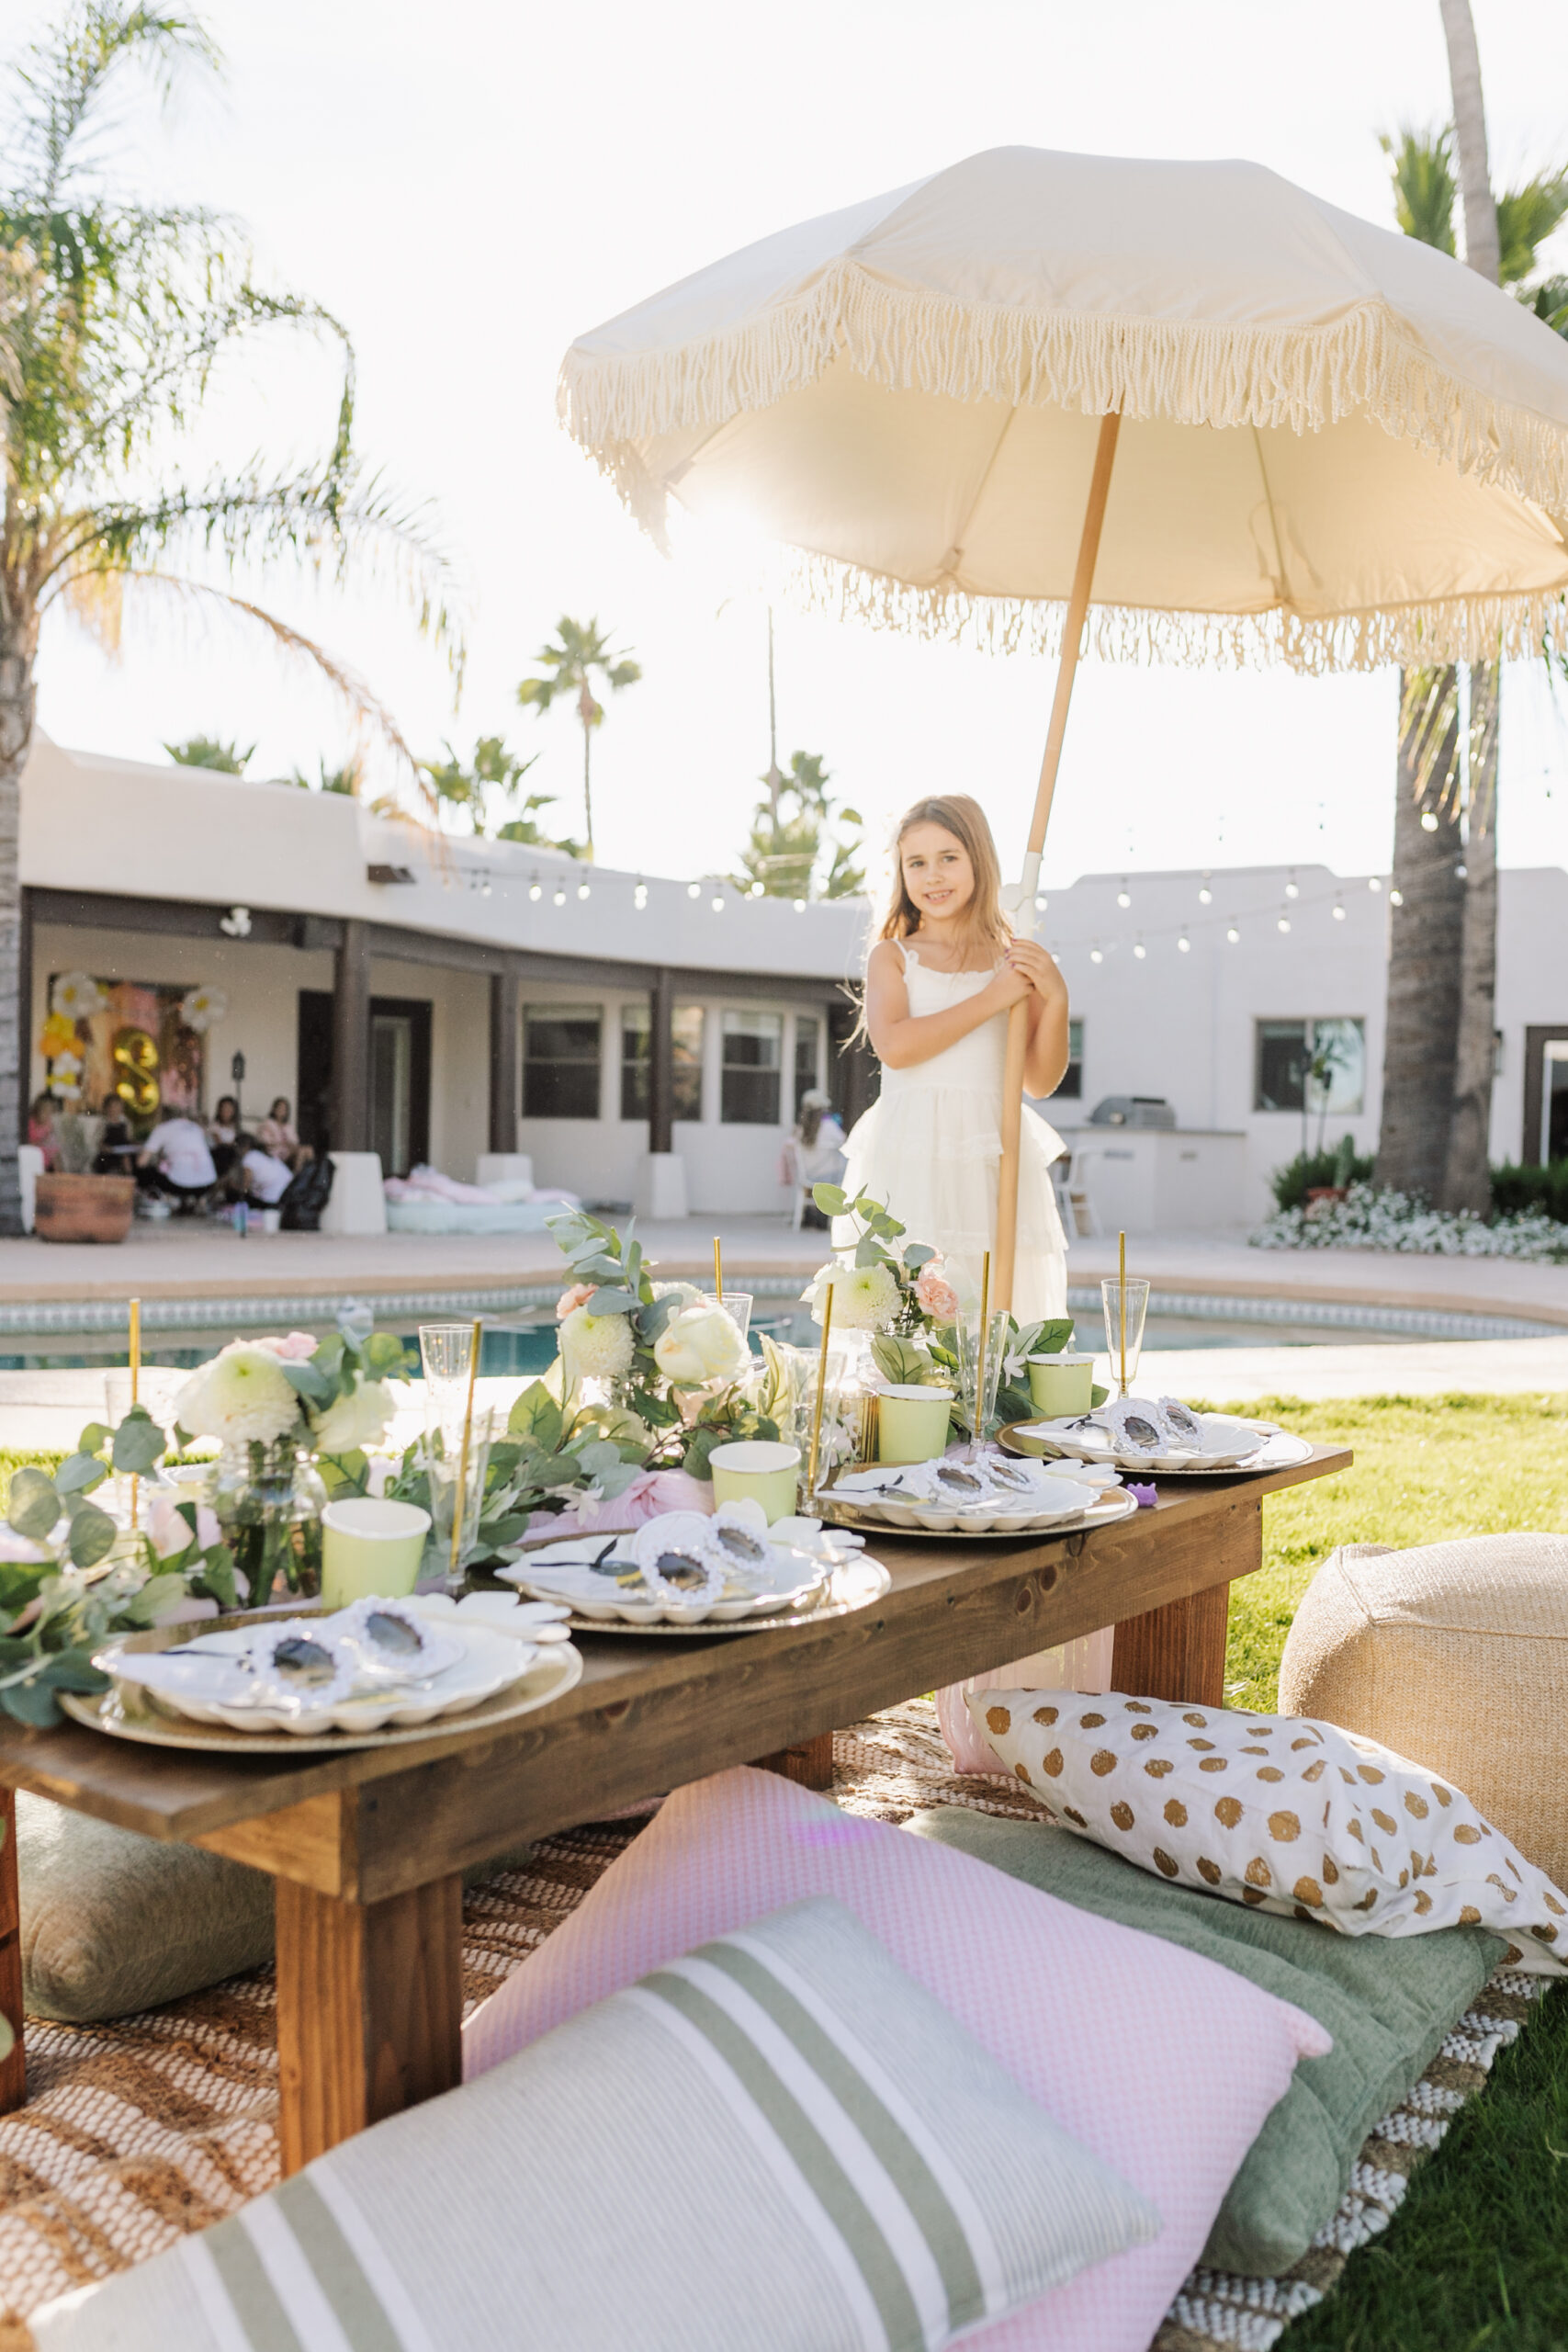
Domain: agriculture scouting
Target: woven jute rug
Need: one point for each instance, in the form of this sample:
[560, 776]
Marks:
[137, 2132]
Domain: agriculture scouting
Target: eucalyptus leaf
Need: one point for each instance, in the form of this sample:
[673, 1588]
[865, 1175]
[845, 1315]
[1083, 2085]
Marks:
[917, 1254]
[309, 1381]
[73, 1670]
[1097, 1395]
[613, 1302]
[93, 1438]
[92, 1535]
[869, 1251]
[32, 1703]
[537, 1416]
[829, 1199]
[34, 1504]
[138, 1442]
[78, 1474]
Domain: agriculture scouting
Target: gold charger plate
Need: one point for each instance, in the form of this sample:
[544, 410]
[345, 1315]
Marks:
[856, 1585]
[848, 1514]
[556, 1671]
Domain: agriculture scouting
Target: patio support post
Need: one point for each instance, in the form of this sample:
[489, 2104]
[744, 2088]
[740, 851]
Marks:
[661, 1063]
[24, 1009]
[349, 1124]
[505, 1025]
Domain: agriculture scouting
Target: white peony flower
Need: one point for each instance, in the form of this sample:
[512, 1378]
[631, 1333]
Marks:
[76, 996]
[702, 1343]
[356, 1419]
[596, 1347]
[241, 1398]
[866, 1299]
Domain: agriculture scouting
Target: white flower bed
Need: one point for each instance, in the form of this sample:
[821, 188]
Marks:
[1371, 1218]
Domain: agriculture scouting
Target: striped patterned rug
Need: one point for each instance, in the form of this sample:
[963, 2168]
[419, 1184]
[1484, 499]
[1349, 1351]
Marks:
[161, 2123]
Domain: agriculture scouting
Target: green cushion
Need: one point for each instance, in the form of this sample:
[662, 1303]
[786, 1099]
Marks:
[778, 2144]
[1387, 2003]
[113, 1922]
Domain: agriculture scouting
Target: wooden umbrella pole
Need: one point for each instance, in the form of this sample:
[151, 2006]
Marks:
[979, 1430]
[718, 1271]
[1018, 1019]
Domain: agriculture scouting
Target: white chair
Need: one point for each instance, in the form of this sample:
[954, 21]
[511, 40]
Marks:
[792, 1159]
[1073, 1195]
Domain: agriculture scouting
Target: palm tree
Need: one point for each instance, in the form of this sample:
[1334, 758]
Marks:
[492, 773]
[1438, 1054]
[208, 752]
[571, 665]
[787, 835]
[114, 316]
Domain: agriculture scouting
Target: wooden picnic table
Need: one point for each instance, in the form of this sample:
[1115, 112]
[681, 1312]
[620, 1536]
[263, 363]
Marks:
[367, 1848]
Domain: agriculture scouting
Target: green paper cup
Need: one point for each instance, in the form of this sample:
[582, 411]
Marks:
[1061, 1385]
[912, 1423]
[757, 1470]
[370, 1546]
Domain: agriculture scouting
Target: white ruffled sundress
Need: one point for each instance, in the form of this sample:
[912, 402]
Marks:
[932, 1146]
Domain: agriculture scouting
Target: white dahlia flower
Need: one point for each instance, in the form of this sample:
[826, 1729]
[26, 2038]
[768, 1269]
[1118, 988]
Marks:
[76, 996]
[596, 1347]
[866, 1299]
[241, 1398]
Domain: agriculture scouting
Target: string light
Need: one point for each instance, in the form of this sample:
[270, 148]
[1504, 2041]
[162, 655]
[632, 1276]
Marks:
[1205, 896]
[1292, 888]
[1096, 955]
[560, 894]
[758, 891]
[1428, 820]
[1340, 910]
[716, 902]
[639, 894]
[484, 887]
[1124, 896]
[582, 890]
[1282, 924]
[1040, 905]
[535, 888]
[1139, 950]
[1184, 946]
[1397, 897]
[800, 906]
[1374, 881]
[1232, 933]
[693, 889]
[1462, 872]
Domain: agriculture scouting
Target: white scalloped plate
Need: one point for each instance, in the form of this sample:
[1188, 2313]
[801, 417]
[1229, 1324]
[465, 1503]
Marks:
[566, 1572]
[1278, 1450]
[855, 1583]
[1115, 1504]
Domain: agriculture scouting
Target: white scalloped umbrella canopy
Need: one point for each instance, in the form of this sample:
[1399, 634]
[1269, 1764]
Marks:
[1339, 447]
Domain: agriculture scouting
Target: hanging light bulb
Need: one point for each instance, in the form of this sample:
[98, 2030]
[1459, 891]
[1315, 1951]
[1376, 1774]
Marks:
[1292, 888]
[1462, 872]
[1283, 923]
[1205, 896]
[1184, 946]
[1124, 896]
[1139, 950]
[639, 894]
[1428, 820]
[535, 888]
[716, 902]
[1374, 881]
[1397, 897]
[484, 887]
[560, 894]
[582, 890]
[1040, 905]
[1232, 933]
[758, 891]
[693, 889]
[800, 906]
[1096, 955]
[1338, 911]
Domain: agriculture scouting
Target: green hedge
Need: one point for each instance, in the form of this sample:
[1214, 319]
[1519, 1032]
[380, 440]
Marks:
[1342, 1166]
[1515, 1189]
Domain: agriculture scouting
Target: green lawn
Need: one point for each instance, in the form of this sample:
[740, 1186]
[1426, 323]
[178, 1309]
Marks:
[1478, 2256]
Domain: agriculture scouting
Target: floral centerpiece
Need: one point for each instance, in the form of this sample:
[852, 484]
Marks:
[274, 1405]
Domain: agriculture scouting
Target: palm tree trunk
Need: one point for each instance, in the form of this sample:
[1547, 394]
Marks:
[17, 703]
[1426, 933]
[1467, 1182]
[588, 788]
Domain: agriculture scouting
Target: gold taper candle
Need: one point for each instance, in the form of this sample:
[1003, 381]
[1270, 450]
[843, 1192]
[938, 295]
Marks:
[980, 1351]
[1122, 1295]
[821, 1393]
[135, 1352]
[718, 1271]
[460, 1496]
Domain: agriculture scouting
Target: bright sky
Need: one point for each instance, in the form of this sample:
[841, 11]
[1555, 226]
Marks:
[468, 187]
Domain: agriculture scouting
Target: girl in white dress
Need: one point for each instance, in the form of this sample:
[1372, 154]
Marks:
[939, 984]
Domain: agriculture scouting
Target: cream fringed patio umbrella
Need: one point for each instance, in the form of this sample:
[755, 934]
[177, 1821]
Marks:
[1237, 423]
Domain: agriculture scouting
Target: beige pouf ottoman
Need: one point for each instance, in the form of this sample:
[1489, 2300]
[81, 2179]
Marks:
[1456, 1656]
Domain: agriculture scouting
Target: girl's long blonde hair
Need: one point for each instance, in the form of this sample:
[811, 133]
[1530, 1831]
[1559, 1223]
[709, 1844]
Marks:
[965, 819]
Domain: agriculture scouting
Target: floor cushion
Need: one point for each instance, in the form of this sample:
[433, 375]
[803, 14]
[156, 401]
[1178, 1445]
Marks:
[1288, 1814]
[1161, 2063]
[1388, 2005]
[775, 2143]
[427, 1216]
[1456, 1652]
[113, 1922]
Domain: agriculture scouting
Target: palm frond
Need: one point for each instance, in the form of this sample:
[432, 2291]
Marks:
[66, 74]
[1527, 216]
[1425, 187]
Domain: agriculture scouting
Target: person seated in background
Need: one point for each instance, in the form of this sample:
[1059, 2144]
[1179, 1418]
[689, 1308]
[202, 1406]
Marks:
[176, 1162]
[258, 1176]
[817, 1149]
[223, 1132]
[277, 1133]
[116, 1149]
[40, 1126]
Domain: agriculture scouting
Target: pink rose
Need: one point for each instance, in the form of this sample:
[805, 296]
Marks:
[936, 1295]
[649, 1494]
[570, 1300]
[168, 1529]
[295, 1347]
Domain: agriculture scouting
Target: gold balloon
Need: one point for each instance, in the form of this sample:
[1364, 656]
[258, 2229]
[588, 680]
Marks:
[135, 1056]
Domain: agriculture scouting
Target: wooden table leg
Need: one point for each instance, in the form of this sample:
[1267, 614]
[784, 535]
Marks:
[369, 2007]
[810, 1764]
[14, 2065]
[1179, 1652]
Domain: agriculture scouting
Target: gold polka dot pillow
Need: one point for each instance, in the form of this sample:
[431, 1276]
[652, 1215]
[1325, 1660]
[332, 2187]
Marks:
[1278, 1811]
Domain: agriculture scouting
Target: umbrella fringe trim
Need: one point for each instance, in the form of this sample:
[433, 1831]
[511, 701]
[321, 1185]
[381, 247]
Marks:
[1474, 629]
[1194, 372]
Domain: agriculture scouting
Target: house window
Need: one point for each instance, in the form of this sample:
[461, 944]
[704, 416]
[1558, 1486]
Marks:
[687, 1025]
[754, 1050]
[560, 1061]
[1317, 1066]
[808, 1032]
[1071, 1088]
